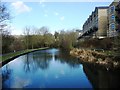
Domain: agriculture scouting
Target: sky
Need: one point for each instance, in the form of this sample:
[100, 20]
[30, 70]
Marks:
[54, 15]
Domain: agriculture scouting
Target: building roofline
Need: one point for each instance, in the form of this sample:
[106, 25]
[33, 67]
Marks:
[115, 3]
[103, 7]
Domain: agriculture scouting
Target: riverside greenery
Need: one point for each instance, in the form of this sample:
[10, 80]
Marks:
[14, 54]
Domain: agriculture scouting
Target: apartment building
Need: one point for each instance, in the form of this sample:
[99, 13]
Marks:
[103, 22]
[96, 25]
[114, 19]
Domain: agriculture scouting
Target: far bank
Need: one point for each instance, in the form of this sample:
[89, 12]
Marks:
[109, 62]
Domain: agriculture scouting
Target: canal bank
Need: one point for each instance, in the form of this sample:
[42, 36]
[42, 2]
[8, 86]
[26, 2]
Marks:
[7, 58]
[107, 62]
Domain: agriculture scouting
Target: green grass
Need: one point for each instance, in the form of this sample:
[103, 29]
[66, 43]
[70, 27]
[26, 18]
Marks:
[110, 52]
[11, 55]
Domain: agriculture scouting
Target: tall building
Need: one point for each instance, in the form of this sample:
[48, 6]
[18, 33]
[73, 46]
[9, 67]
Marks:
[96, 25]
[103, 22]
[114, 19]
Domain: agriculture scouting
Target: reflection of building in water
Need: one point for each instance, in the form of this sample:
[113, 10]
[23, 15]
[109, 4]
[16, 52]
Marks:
[101, 78]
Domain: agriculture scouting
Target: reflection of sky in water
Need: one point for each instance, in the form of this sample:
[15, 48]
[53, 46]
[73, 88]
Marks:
[41, 69]
[21, 82]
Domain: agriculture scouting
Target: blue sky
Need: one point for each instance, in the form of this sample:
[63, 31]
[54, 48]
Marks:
[55, 15]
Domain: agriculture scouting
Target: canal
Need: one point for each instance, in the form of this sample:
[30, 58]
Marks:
[53, 68]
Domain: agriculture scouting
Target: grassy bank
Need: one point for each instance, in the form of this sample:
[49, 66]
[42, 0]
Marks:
[10, 56]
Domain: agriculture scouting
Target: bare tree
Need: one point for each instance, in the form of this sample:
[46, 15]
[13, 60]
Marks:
[67, 39]
[5, 36]
[44, 30]
[26, 37]
[4, 14]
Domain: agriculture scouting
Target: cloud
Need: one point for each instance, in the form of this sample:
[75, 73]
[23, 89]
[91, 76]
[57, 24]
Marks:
[46, 15]
[15, 31]
[20, 7]
[56, 13]
[63, 0]
[41, 1]
[43, 5]
[46, 11]
[62, 18]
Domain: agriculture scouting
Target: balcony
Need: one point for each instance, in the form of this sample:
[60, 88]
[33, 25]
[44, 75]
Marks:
[118, 28]
[117, 8]
[89, 32]
[117, 19]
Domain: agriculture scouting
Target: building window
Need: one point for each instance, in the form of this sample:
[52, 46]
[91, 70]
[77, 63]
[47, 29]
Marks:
[112, 8]
[112, 26]
[113, 17]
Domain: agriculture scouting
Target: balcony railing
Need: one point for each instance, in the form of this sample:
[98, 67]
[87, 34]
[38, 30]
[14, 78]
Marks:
[89, 32]
[117, 8]
[117, 19]
[118, 27]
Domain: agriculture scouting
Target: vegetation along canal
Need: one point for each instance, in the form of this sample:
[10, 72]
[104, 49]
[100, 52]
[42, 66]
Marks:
[53, 68]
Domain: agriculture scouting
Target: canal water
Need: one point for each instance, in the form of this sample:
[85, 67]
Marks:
[53, 68]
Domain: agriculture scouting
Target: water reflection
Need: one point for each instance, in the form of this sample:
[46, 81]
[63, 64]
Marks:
[40, 59]
[101, 78]
[64, 57]
[34, 61]
[53, 68]
[50, 68]
[6, 74]
[27, 64]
